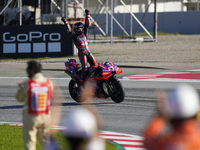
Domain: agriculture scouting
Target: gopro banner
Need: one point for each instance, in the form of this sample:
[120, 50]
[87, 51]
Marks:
[35, 41]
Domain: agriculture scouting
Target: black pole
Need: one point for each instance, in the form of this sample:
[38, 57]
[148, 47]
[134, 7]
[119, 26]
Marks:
[4, 18]
[155, 20]
[94, 32]
[41, 10]
[35, 6]
[142, 18]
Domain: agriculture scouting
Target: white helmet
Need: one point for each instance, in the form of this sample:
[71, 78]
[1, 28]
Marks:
[81, 123]
[182, 102]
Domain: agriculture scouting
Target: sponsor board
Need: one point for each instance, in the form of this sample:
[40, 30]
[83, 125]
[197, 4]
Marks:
[35, 41]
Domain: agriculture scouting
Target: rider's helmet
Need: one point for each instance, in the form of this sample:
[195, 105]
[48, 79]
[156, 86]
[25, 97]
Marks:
[81, 123]
[181, 102]
[77, 26]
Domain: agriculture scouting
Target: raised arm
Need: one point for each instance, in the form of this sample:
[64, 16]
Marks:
[67, 25]
[87, 21]
[68, 28]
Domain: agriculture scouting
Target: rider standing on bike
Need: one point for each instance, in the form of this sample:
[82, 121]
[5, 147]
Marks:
[78, 35]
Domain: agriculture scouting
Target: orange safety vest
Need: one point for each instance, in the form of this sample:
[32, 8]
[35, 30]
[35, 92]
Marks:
[39, 97]
[182, 137]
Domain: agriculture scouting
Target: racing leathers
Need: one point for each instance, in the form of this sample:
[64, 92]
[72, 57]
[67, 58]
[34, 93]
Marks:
[84, 52]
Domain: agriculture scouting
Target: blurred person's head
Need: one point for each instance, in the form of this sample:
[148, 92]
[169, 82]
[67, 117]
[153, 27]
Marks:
[81, 127]
[33, 67]
[180, 103]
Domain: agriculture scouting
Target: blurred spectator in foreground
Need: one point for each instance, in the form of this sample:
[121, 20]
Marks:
[179, 107]
[36, 93]
[83, 124]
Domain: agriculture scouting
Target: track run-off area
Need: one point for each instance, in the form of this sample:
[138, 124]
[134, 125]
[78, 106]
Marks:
[124, 122]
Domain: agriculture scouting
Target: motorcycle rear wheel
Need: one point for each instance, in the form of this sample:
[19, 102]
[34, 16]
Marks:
[116, 92]
[74, 90]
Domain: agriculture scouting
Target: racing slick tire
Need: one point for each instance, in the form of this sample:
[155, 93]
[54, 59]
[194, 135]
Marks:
[74, 90]
[116, 92]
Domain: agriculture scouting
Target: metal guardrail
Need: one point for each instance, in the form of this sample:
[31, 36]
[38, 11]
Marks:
[113, 18]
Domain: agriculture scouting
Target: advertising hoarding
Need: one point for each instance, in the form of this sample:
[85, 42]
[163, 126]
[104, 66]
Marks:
[35, 41]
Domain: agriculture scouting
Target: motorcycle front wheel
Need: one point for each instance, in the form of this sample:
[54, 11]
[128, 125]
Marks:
[74, 90]
[116, 91]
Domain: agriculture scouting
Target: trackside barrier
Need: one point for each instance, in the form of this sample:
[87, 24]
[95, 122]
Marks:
[35, 41]
[140, 39]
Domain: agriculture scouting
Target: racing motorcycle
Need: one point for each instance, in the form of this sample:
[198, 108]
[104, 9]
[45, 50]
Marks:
[105, 74]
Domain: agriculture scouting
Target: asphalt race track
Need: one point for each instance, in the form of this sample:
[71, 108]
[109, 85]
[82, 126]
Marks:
[130, 116]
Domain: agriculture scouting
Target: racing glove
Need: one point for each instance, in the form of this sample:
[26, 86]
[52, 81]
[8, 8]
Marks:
[68, 27]
[87, 11]
[63, 19]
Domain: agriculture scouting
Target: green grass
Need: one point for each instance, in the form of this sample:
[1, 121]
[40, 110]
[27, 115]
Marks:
[11, 139]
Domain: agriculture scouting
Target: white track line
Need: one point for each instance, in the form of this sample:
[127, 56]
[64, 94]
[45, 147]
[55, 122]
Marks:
[124, 79]
[161, 80]
[27, 78]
